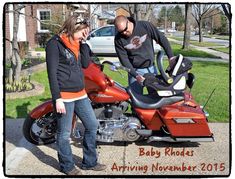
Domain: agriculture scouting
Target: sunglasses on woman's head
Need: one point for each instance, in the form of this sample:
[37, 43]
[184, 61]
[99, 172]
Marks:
[81, 21]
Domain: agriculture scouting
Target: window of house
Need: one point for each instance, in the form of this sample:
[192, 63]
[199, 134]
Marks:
[43, 16]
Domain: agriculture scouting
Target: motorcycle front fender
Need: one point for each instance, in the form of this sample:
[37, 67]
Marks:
[41, 110]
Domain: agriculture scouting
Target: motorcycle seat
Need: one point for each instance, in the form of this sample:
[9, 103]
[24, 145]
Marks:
[150, 102]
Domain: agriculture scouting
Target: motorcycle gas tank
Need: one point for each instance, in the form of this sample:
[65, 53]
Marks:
[101, 88]
[111, 94]
[95, 79]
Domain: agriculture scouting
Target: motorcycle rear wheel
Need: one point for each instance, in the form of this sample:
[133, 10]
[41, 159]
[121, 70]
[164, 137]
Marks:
[40, 131]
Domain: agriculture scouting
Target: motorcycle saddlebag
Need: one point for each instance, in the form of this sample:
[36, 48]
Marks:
[185, 121]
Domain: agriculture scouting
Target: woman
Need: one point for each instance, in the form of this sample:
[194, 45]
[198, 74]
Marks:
[65, 57]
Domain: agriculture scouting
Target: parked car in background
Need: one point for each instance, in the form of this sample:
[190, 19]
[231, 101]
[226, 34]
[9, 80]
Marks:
[171, 30]
[161, 30]
[101, 41]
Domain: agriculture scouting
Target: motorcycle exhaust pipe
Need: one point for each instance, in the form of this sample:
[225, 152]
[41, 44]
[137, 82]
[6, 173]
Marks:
[181, 139]
[158, 139]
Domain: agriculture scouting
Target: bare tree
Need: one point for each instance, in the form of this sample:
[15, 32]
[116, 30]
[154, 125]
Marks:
[15, 60]
[228, 14]
[187, 26]
[227, 11]
[201, 12]
[141, 11]
[14, 56]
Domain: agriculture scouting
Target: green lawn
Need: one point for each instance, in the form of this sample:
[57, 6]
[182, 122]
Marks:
[204, 44]
[18, 108]
[192, 52]
[222, 49]
[222, 37]
[209, 75]
[196, 43]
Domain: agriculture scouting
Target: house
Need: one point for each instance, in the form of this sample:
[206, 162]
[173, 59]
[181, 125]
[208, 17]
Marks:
[38, 21]
[103, 14]
[35, 21]
[122, 11]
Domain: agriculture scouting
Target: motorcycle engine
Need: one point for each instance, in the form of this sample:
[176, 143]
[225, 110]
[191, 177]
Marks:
[114, 125]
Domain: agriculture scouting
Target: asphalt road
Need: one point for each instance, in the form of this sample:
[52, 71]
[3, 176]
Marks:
[205, 39]
[159, 158]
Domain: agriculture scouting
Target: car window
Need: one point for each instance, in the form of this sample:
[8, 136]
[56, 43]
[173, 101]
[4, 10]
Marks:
[115, 30]
[105, 31]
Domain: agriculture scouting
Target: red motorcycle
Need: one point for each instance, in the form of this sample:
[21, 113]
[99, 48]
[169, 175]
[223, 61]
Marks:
[170, 114]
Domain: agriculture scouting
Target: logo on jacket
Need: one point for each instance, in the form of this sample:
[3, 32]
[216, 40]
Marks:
[68, 54]
[136, 42]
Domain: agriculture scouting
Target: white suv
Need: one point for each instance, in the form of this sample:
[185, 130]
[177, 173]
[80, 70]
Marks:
[101, 41]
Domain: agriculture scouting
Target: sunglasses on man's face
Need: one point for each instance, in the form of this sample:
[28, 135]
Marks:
[124, 30]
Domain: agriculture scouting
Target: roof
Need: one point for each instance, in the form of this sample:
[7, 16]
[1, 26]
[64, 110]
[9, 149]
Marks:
[121, 8]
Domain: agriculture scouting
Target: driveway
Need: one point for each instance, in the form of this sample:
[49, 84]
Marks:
[140, 158]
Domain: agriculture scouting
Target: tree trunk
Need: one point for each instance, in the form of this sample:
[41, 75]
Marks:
[138, 11]
[200, 30]
[149, 11]
[140, 15]
[15, 60]
[187, 28]
[227, 12]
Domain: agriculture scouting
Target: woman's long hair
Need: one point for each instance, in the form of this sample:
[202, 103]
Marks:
[73, 24]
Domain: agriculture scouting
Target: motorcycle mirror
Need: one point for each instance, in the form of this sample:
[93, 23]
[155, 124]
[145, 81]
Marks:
[117, 64]
[113, 68]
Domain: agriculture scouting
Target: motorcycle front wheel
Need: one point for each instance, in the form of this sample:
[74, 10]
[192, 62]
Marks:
[40, 131]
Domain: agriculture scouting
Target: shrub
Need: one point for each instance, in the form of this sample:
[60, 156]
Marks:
[23, 85]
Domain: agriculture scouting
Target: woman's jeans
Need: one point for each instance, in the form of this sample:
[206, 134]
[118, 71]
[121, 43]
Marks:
[135, 85]
[84, 111]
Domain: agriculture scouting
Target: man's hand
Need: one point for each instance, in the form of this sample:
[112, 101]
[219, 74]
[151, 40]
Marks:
[172, 62]
[60, 108]
[140, 79]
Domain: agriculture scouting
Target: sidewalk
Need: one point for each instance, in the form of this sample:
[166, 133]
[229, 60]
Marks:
[223, 56]
[122, 158]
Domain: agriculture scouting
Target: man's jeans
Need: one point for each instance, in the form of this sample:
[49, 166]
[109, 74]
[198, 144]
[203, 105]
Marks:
[86, 114]
[135, 85]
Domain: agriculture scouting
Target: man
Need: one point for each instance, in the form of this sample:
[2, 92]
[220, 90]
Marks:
[134, 47]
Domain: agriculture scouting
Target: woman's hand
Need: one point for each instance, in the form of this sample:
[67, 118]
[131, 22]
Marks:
[60, 108]
[85, 33]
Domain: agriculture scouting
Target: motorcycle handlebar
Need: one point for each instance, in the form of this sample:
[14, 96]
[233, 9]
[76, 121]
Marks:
[124, 68]
[107, 62]
[116, 66]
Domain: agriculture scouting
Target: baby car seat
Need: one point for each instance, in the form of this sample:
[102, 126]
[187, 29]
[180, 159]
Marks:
[174, 80]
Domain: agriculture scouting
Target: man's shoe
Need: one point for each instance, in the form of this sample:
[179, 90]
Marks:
[98, 167]
[74, 171]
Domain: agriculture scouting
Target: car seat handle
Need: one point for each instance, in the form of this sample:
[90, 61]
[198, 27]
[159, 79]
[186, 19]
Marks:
[159, 60]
